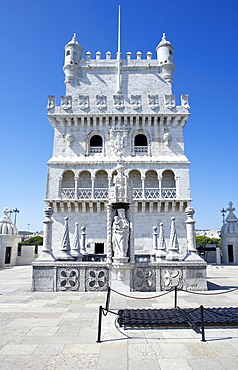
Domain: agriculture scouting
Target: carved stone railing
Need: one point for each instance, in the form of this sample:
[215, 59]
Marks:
[141, 149]
[152, 193]
[168, 193]
[68, 193]
[84, 193]
[95, 149]
[102, 193]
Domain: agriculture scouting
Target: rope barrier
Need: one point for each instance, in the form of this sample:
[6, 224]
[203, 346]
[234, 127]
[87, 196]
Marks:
[156, 296]
[199, 293]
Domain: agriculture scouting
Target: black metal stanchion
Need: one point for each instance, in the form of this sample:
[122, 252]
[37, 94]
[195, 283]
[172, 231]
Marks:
[202, 324]
[108, 298]
[99, 323]
[175, 296]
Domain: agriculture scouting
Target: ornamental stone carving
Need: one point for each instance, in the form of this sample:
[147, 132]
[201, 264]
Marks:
[136, 101]
[69, 139]
[118, 139]
[169, 101]
[83, 101]
[101, 101]
[66, 102]
[167, 139]
[96, 279]
[153, 101]
[120, 234]
[184, 101]
[51, 102]
[171, 278]
[118, 101]
[144, 279]
[67, 279]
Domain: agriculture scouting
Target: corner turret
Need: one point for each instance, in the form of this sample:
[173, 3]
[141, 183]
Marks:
[73, 54]
[165, 57]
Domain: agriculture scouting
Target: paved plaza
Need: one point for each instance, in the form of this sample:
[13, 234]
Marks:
[59, 330]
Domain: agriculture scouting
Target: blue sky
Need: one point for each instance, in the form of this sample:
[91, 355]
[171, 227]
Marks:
[33, 35]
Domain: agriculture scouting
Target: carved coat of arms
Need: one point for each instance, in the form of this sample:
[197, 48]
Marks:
[66, 102]
[169, 101]
[118, 138]
[101, 101]
[118, 101]
[83, 101]
[51, 102]
[136, 101]
[153, 101]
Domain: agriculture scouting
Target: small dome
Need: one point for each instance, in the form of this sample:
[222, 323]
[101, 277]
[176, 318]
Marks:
[6, 225]
[164, 42]
[231, 224]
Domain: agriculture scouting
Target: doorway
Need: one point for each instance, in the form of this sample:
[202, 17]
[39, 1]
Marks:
[8, 255]
[230, 253]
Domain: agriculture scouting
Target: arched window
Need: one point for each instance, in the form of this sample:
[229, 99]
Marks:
[95, 144]
[68, 185]
[140, 143]
[168, 185]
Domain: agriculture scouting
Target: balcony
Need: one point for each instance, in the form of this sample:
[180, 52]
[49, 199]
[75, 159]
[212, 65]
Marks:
[141, 149]
[102, 193]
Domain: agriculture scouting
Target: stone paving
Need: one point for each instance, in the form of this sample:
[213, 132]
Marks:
[59, 330]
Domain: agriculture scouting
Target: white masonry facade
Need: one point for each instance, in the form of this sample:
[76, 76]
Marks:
[96, 126]
[119, 120]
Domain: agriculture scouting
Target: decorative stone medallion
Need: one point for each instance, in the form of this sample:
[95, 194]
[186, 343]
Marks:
[118, 101]
[144, 279]
[136, 101]
[153, 101]
[83, 101]
[118, 139]
[96, 279]
[67, 279]
[66, 102]
[101, 101]
[171, 278]
[69, 139]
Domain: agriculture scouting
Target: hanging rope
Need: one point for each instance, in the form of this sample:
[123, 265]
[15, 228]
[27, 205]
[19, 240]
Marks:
[156, 296]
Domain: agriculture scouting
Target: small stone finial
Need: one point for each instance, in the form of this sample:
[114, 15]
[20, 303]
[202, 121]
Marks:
[164, 37]
[108, 55]
[230, 208]
[6, 212]
[98, 55]
[138, 55]
[149, 55]
[74, 39]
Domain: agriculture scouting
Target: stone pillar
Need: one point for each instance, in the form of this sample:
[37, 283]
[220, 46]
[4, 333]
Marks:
[93, 182]
[109, 233]
[83, 240]
[160, 187]
[161, 252]
[132, 239]
[75, 252]
[60, 187]
[192, 252]
[64, 253]
[218, 256]
[76, 187]
[173, 250]
[46, 254]
[143, 186]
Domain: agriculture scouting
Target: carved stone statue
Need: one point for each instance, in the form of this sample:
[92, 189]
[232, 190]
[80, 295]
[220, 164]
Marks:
[120, 234]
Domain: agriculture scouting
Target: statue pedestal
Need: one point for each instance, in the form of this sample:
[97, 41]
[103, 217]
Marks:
[120, 274]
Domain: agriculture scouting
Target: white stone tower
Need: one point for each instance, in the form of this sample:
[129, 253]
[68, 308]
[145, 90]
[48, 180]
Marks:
[95, 128]
[229, 237]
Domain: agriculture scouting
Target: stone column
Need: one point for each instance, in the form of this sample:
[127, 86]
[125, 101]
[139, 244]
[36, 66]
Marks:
[93, 182]
[64, 253]
[83, 240]
[109, 233]
[143, 186]
[132, 240]
[192, 252]
[46, 254]
[160, 187]
[76, 187]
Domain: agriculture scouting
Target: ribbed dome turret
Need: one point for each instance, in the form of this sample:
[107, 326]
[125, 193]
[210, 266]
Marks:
[6, 225]
[231, 224]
